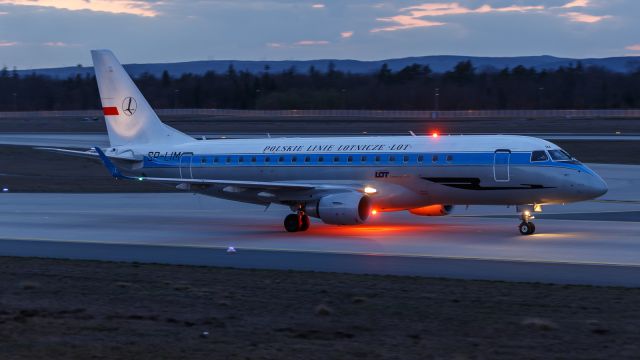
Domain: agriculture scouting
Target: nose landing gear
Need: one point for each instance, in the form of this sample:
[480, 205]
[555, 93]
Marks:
[297, 222]
[526, 227]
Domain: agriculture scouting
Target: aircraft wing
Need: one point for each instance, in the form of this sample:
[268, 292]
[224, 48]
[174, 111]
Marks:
[255, 185]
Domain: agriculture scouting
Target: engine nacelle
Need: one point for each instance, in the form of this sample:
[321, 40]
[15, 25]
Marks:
[432, 210]
[348, 208]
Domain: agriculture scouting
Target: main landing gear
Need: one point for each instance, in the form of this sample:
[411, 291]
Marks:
[297, 222]
[527, 227]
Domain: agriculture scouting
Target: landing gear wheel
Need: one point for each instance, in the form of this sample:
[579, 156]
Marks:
[527, 228]
[304, 223]
[292, 223]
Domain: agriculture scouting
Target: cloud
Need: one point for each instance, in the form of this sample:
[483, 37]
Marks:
[585, 18]
[58, 44]
[576, 3]
[311, 42]
[3, 13]
[406, 22]
[7, 43]
[512, 8]
[279, 45]
[346, 34]
[318, 6]
[580, 17]
[413, 16]
[442, 9]
[131, 7]
[634, 47]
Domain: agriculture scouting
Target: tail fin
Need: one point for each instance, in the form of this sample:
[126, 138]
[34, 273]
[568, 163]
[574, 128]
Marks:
[130, 119]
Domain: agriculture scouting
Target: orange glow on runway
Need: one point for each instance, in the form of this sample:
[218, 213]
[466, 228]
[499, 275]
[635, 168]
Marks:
[551, 236]
[386, 231]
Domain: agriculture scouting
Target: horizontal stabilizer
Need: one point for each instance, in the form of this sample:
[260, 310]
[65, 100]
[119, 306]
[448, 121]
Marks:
[90, 154]
[109, 165]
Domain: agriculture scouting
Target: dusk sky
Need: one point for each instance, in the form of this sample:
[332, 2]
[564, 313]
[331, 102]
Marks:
[51, 33]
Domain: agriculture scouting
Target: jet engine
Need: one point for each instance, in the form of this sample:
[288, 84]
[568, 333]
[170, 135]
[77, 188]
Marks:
[432, 210]
[341, 209]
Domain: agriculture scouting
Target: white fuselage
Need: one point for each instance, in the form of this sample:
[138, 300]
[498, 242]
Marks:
[407, 171]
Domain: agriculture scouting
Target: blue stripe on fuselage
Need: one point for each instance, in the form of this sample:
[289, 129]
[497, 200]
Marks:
[351, 159]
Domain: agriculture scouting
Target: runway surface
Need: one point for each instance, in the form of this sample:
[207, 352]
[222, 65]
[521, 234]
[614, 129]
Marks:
[88, 140]
[599, 244]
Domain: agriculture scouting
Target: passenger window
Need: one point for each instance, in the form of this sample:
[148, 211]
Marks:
[321, 159]
[363, 158]
[228, 159]
[392, 158]
[434, 158]
[294, 159]
[267, 159]
[253, 159]
[281, 159]
[377, 158]
[307, 159]
[216, 160]
[350, 159]
[241, 159]
[449, 158]
[405, 158]
[203, 160]
[336, 159]
[420, 158]
[539, 155]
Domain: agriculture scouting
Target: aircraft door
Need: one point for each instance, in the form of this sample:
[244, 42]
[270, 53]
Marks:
[501, 159]
[185, 165]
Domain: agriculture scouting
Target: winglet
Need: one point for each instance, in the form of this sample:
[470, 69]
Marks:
[109, 165]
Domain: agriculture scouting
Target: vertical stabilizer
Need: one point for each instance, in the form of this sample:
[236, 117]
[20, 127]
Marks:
[130, 119]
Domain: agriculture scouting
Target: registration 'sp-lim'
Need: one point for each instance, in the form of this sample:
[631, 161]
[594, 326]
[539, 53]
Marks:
[339, 180]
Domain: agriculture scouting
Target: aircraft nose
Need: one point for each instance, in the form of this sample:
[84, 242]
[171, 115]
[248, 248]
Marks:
[595, 187]
[601, 187]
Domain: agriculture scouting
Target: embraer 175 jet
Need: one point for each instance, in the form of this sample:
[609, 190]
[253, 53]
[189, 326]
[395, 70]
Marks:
[339, 180]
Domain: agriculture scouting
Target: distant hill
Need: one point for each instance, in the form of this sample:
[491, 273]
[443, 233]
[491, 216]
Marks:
[439, 63]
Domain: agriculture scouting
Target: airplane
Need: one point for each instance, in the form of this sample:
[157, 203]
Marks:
[339, 180]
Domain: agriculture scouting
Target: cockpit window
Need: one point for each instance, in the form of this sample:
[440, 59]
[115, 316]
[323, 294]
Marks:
[539, 155]
[560, 155]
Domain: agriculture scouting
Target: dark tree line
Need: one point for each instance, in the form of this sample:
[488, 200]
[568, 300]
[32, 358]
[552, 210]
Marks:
[415, 87]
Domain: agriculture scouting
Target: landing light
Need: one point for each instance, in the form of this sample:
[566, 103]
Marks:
[374, 212]
[140, 178]
[435, 135]
[370, 190]
[527, 213]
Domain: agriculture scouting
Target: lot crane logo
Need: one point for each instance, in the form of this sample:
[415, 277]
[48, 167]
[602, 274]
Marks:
[129, 106]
